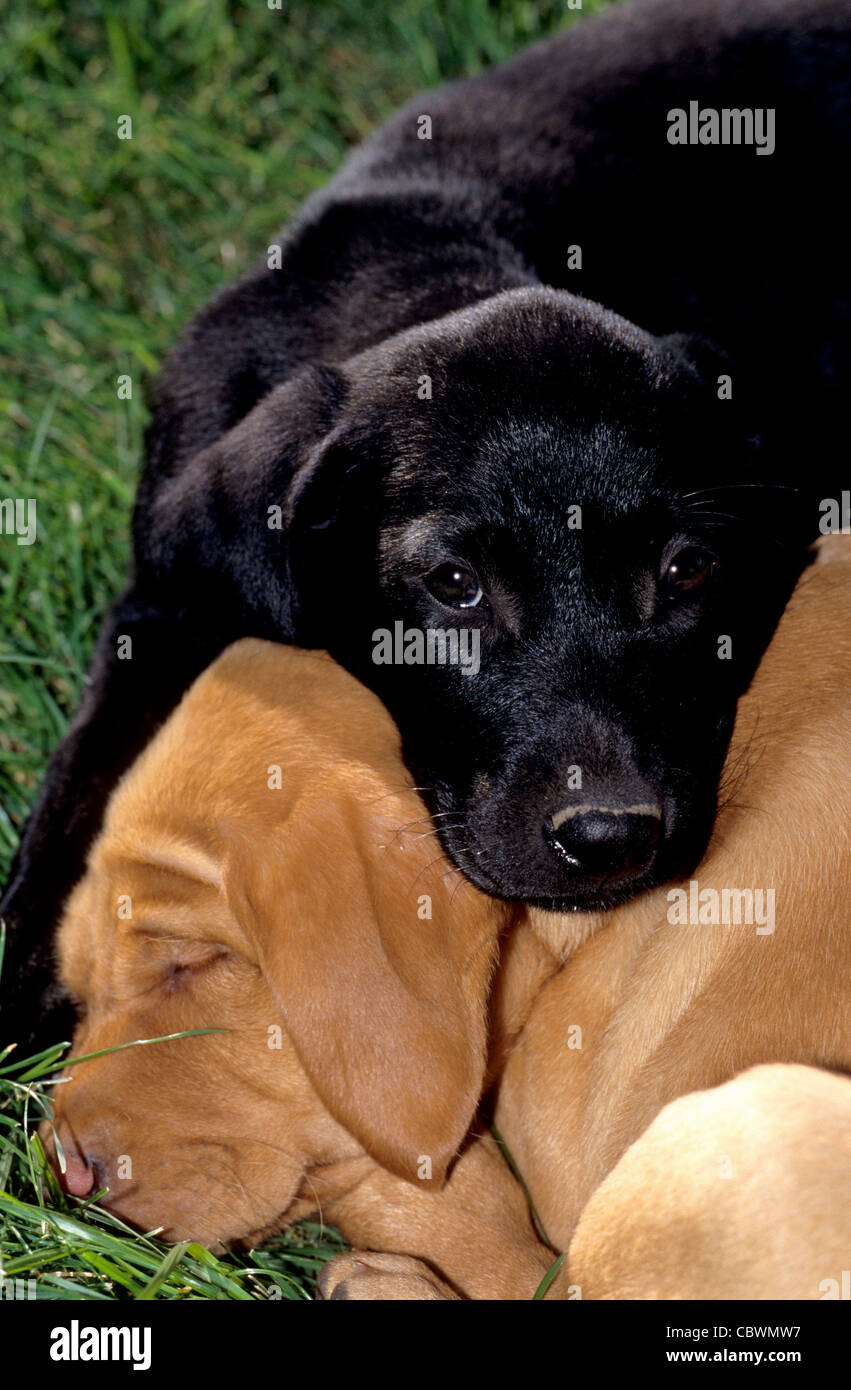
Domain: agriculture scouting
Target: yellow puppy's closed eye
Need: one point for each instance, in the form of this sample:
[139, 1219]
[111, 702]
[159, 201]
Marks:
[170, 962]
[179, 973]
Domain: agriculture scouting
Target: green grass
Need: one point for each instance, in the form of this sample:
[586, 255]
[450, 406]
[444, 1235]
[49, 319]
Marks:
[239, 112]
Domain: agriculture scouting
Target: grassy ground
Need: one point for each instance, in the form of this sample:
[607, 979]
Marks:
[238, 113]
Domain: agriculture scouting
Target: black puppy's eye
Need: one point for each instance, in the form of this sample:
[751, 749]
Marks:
[688, 571]
[454, 586]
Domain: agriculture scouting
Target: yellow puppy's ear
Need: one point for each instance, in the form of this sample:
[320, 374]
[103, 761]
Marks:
[379, 956]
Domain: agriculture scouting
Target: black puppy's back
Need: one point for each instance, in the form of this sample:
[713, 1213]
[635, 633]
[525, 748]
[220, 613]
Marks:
[566, 147]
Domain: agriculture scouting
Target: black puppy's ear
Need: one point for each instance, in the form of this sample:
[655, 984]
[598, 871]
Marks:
[219, 526]
[698, 356]
[321, 487]
[334, 513]
[752, 470]
[331, 513]
[715, 378]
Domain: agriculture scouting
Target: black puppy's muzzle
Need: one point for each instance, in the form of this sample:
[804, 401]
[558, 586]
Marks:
[604, 844]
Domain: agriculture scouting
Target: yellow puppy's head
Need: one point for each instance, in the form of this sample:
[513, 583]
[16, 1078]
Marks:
[265, 869]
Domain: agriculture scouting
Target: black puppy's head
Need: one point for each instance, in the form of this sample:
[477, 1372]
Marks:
[525, 531]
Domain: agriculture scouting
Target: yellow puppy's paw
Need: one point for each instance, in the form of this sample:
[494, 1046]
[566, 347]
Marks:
[370, 1277]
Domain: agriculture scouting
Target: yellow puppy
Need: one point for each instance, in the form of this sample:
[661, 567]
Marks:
[265, 869]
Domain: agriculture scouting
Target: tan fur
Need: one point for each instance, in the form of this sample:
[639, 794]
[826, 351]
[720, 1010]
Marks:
[316, 923]
[742, 1191]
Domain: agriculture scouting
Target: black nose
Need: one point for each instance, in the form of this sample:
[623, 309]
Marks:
[604, 843]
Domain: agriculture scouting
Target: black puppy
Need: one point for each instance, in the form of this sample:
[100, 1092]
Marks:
[587, 505]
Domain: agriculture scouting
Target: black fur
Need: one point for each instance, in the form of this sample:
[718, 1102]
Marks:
[449, 258]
